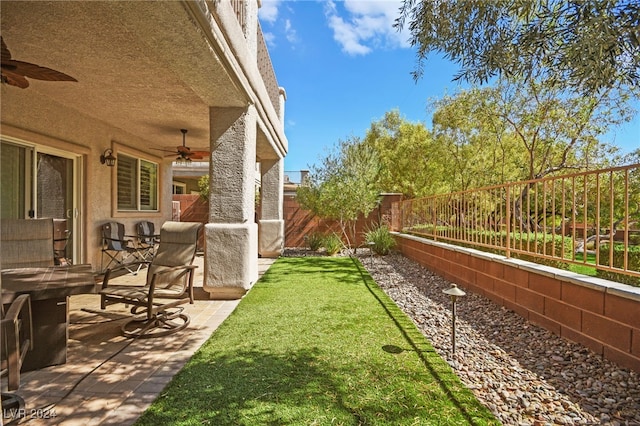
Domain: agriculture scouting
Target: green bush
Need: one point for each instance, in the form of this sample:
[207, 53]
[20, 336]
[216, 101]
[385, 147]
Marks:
[332, 243]
[381, 238]
[314, 241]
[618, 262]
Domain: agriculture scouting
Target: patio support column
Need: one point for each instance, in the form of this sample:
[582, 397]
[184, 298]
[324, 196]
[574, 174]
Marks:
[231, 236]
[271, 224]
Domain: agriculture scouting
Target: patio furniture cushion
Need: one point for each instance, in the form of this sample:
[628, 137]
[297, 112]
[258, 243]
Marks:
[26, 243]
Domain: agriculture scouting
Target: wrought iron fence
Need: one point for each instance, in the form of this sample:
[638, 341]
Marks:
[590, 219]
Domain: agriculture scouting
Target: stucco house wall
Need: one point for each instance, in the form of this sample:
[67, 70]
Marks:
[144, 71]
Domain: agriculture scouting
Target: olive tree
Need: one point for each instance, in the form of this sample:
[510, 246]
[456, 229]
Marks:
[343, 186]
[586, 45]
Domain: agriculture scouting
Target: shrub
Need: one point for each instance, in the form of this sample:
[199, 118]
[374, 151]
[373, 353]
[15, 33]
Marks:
[332, 243]
[203, 187]
[314, 241]
[633, 264]
[381, 238]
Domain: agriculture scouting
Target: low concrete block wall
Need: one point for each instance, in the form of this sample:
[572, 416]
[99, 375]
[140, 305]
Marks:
[599, 314]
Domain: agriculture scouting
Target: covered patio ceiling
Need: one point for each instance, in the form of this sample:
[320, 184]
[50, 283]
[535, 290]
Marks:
[147, 68]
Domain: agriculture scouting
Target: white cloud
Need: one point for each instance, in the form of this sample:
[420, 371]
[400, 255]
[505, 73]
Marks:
[366, 24]
[290, 32]
[268, 12]
[347, 35]
[270, 39]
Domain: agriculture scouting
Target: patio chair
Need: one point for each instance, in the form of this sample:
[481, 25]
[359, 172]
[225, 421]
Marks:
[147, 239]
[119, 249]
[26, 243]
[17, 339]
[169, 284]
[61, 237]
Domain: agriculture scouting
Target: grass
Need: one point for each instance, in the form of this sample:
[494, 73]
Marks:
[585, 269]
[316, 342]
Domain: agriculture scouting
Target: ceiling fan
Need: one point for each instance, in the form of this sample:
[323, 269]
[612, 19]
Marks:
[14, 72]
[184, 153]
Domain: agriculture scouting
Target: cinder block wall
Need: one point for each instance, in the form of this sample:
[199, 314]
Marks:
[601, 315]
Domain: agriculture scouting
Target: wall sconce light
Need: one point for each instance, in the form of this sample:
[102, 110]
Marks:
[108, 158]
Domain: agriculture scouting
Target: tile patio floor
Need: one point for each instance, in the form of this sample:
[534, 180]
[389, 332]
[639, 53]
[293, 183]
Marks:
[109, 379]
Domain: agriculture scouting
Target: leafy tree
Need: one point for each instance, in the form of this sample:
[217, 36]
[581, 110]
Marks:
[523, 132]
[481, 151]
[528, 130]
[203, 187]
[343, 186]
[586, 45]
[631, 158]
[408, 156]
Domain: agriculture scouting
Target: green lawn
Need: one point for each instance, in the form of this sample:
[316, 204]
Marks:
[316, 342]
[585, 269]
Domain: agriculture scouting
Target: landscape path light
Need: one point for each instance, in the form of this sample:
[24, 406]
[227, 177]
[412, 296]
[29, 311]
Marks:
[454, 292]
[371, 244]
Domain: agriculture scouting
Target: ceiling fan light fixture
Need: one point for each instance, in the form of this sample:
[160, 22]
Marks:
[182, 160]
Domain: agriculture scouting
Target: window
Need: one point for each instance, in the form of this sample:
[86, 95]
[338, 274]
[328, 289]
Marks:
[179, 188]
[137, 184]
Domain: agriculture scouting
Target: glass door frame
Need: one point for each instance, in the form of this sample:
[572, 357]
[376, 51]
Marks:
[32, 187]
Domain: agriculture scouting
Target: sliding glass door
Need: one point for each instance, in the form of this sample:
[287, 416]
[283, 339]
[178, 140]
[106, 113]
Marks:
[54, 192]
[16, 172]
[38, 182]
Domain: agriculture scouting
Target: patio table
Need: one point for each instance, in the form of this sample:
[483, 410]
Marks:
[49, 289]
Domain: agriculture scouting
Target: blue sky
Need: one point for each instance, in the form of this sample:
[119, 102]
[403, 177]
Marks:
[343, 65]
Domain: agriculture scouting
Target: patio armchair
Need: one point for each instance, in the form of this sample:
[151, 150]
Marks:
[61, 237]
[119, 249]
[169, 284]
[17, 339]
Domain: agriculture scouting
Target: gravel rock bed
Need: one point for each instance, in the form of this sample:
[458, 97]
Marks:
[523, 373]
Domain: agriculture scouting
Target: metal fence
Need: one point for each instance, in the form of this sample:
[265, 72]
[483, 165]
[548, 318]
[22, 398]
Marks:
[590, 219]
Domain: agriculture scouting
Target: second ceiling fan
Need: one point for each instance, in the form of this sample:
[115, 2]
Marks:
[184, 153]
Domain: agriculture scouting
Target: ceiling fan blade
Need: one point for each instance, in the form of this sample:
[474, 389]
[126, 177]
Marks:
[5, 54]
[14, 72]
[13, 79]
[164, 150]
[36, 71]
[199, 154]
